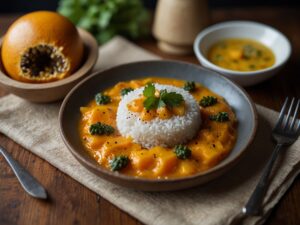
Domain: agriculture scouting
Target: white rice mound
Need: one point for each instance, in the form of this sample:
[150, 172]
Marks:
[158, 132]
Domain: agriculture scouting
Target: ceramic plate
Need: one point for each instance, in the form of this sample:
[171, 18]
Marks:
[84, 92]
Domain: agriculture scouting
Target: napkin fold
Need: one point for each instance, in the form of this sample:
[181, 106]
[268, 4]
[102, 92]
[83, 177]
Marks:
[35, 127]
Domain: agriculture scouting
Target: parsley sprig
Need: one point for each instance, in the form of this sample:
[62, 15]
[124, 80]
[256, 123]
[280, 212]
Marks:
[208, 101]
[182, 152]
[118, 162]
[220, 117]
[101, 129]
[102, 99]
[190, 86]
[165, 99]
[107, 18]
[125, 91]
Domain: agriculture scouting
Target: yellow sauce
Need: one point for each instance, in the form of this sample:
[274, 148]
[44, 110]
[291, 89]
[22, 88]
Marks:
[241, 55]
[211, 145]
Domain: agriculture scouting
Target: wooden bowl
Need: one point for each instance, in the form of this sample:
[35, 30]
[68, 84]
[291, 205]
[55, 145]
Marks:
[83, 93]
[57, 90]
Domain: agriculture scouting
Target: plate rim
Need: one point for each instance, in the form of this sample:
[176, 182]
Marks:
[117, 175]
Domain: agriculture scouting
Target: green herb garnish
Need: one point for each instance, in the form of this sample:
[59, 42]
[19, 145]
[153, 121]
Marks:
[102, 99]
[149, 90]
[220, 117]
[118, 162]
[189, 86]
[182, 152]
[151, 102]
[107, 18]
[218, 57]
[168, 99]
[252, 67]
[125, 91]
[101, 129]
[249, 52]
[208, 101]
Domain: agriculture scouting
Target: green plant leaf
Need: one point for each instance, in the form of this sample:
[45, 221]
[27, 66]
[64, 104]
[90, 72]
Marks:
[106, 18]
[190, 86]
[220, 117]
[149, 90]
[171, 99]
[161, 103]
[182, 152]
[125, 91]
[208, 101]
[101, 129]
[151, 102]
[119, 162]
[102, 99]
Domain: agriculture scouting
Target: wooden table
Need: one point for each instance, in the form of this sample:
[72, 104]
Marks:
[72, 203]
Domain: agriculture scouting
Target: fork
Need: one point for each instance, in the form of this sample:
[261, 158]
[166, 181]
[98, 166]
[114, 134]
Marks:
[28, 182]
[285, 132]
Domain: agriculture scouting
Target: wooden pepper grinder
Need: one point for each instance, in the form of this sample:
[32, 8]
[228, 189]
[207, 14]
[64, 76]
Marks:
[177, 23]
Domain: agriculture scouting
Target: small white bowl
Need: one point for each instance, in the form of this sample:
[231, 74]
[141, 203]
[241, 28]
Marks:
[264, 34]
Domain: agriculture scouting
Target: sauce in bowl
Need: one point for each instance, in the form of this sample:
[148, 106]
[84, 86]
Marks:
[241, 55]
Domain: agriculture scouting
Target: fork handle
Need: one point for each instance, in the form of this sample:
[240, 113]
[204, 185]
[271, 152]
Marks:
[28, 182]
[253, 206]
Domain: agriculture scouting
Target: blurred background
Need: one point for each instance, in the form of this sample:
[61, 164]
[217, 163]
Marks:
[19, 6]
[133, 18]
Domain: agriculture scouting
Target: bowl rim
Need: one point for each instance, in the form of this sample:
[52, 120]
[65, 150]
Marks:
[89, 43]
[237, 23]
[117, 175]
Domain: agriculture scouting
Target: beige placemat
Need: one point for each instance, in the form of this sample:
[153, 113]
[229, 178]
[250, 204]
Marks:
[35, 127]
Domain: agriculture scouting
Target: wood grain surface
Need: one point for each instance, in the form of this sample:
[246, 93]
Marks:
[72, 203]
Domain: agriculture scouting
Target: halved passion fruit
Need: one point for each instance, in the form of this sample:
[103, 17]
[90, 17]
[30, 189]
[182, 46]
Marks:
[41, 47]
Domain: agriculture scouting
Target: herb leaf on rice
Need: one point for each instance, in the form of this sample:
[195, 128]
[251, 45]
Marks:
[171, 99]
[151, 103]
[149, 90]
[165, 99]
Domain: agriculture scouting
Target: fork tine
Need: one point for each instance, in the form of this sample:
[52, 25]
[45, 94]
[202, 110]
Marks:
[295, 115]
[281, 115]
[298, 128]
[287, 119]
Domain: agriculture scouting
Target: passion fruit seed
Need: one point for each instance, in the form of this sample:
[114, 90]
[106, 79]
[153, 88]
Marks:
[43, 61]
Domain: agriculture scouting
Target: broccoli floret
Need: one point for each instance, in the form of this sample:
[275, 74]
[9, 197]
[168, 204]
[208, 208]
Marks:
[189, 86]
[102, 99]
[125, 91]
[208, 101]
[182, 152]
[220, 117]
[101, 129]
[118, 162]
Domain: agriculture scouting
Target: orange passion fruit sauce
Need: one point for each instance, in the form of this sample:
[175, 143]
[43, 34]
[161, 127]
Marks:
[212, 144]
[241, 55]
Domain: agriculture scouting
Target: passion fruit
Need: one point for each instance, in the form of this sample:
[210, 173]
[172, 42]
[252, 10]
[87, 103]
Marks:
[41, 47]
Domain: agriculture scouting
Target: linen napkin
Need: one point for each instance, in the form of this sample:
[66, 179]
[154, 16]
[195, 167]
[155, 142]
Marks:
[35, 127]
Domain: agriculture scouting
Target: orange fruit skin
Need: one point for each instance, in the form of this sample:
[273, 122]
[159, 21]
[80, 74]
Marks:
[41, 27]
